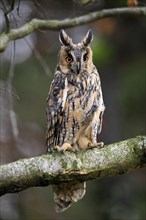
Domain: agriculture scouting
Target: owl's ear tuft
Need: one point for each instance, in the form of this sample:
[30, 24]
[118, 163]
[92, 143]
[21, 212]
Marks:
[88, 38]
[64, 38]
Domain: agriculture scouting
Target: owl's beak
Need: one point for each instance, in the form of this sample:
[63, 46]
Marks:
[78, 67]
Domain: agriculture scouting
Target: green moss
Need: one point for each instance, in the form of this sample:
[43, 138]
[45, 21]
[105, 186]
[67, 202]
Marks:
[64, 163]
[75, 165]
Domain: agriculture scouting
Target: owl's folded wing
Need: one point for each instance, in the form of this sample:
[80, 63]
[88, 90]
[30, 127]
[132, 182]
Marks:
[55, 108]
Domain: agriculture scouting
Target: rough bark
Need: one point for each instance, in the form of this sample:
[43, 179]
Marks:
[37, 24]
[53, 168]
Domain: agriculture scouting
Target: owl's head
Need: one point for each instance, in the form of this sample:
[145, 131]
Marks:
[75, 58]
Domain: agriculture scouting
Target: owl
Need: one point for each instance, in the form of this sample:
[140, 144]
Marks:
[75, 110]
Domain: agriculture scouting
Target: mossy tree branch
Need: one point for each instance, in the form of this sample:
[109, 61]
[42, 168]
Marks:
[36, 24]
[52, 168]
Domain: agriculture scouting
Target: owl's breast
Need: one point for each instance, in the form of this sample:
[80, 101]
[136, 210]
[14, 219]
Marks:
[81, 100]
[81, 105]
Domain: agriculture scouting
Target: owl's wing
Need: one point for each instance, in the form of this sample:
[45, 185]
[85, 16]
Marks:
[55, 108]
[102, 109]
[99, 103]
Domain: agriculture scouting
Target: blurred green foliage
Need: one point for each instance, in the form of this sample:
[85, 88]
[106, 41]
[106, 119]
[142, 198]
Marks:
[102, 52]
[133, 88]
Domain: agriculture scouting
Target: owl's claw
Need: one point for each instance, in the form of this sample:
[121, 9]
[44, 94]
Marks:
[100, 145]
[97, 145]
[64, 147]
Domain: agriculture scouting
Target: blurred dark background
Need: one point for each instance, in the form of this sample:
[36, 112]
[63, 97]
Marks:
[27, 68]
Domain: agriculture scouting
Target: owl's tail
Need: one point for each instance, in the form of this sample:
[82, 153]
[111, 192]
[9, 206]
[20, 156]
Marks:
[67, 193]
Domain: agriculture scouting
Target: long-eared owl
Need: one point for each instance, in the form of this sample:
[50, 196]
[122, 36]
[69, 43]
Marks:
[75, 109]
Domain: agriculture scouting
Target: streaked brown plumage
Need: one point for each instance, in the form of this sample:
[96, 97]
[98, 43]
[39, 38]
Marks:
[74, 109]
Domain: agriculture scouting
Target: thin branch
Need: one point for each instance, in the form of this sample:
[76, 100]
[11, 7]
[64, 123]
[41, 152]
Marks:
[6, 11]
[40, 59]
[53, 168]
[12, 115]
[36, 24]
[84, 2]
[10, 92]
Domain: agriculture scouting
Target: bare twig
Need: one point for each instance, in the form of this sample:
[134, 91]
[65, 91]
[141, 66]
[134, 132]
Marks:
[6, 11]
[40, 59]
[10, 92]
[12, 115]
[114, 159]
[36, 24]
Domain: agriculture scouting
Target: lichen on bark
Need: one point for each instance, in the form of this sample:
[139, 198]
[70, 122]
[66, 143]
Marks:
[113, 159]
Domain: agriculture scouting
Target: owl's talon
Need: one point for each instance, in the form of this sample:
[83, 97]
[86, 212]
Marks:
[57, 148]
[90, 145]
[64, 147]
[100, 145]
[97, 145]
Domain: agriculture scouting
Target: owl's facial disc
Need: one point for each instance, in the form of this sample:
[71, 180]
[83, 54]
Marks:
[79, 59]
[75, 59]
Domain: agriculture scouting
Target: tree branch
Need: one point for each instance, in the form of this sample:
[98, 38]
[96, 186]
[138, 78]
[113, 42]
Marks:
[36, 24]
[114, 159]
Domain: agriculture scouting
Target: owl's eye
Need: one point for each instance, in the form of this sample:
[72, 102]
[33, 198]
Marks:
[68, 59]
[85, 57]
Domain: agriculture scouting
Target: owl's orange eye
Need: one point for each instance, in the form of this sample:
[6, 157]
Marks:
[68, 59]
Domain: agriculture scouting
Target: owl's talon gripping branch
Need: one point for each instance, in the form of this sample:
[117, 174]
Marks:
[64, 147]
[97, 145]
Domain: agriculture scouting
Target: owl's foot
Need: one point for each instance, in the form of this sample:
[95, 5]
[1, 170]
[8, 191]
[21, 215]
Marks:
[97, 145]
[64, 147]
[85, 143]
